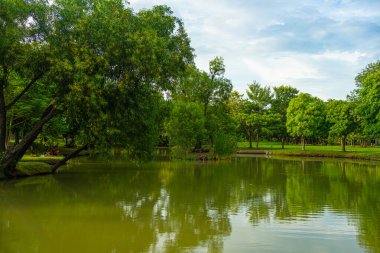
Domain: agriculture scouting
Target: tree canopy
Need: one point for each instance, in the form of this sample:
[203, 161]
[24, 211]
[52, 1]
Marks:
[340, 116]
[306, 117]
[368, 93]
[101, 62]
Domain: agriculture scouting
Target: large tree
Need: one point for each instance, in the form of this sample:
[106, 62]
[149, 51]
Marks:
[186, 124]
[368, 94]
[305, 117]
[99, 61]
[212, 91]
[259, 119]
[340, 116]
[282, 96]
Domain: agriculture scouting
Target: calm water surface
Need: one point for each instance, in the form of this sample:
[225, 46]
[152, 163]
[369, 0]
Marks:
[244, 205]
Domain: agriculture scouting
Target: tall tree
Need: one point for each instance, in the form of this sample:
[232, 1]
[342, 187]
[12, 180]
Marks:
[258, 118]
[186, 124]
[212, 90]
[340, 116]
[368, 92]
[282, 96]
[358, 132]
[23, 53]
[305, 117]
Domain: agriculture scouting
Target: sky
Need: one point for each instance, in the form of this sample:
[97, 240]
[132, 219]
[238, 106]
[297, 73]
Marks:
[317, 46]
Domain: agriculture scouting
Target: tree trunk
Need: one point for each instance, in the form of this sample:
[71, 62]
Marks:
[68, 157]
[303, 143]
[343, 143]
[257, 141]
[17, 137]
[283, 142]
[16, 153]
[250, 140]
[198, 144]
[3, 117]
[117, 150]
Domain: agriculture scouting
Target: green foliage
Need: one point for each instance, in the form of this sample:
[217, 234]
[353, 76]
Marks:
[282, 96]
[212, 91]
[224, 143]
[339, 114]
[306, 116]
[260, 97]
[255, 115]
[217, 67]
[104, 67]
[100, 65]
[368, 93]
[118, 88]
[186, 125]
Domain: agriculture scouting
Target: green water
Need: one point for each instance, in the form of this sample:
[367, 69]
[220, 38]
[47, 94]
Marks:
[244, 205]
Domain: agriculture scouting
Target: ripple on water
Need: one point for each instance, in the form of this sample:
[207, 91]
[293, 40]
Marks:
[324, 231]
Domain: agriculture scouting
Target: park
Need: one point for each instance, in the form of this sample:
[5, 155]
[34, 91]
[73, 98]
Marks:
[113, 139]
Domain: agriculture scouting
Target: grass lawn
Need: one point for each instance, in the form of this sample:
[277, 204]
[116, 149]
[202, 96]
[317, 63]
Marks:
[277, 145]
[39, 158]
[353, 152]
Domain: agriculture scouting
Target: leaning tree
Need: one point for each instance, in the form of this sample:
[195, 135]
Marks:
[101, 64]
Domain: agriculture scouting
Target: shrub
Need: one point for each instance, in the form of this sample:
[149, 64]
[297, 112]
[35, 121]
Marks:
[224, 144]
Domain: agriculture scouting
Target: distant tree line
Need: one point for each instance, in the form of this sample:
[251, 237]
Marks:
[205, 109]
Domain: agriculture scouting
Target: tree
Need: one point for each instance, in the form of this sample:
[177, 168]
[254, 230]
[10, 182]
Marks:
[368, 92]
[207, 88]
[259, 119]
[103, 66]
[339, 114]
[237, 108]
[246, 121]
[282, 96]
[22, 53]
[358, 132]
[212, 91]
[186, 124]
[305, 117]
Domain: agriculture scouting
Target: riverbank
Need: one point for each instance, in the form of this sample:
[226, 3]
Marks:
[371, 153]
[31, 165]
[356, 155]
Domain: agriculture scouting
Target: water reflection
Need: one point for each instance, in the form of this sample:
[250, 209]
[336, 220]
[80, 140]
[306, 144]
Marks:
[244, 205]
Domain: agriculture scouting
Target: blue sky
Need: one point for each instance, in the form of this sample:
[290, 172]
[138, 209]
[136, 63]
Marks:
[317, 46]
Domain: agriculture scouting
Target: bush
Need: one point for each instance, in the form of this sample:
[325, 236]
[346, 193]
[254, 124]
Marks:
[224, 144]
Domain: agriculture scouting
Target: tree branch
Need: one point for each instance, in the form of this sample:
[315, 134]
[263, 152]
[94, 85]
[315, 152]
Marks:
[68, 157]
[30, 84]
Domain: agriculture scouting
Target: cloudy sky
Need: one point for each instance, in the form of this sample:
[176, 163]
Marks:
[317, 46]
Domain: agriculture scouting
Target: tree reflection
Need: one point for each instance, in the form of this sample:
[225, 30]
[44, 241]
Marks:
[180, 206]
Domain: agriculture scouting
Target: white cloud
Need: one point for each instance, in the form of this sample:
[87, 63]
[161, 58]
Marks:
[316, 46]
[344, 57]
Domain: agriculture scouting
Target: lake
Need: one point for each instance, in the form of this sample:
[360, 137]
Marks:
[244, 205]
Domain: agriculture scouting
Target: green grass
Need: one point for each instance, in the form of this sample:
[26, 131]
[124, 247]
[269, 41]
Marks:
[30, 168]
[352, 152]
[39, 158]
[277, 145]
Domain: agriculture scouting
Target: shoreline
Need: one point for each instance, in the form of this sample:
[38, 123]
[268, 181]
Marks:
[30, 166]
[353, 155]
